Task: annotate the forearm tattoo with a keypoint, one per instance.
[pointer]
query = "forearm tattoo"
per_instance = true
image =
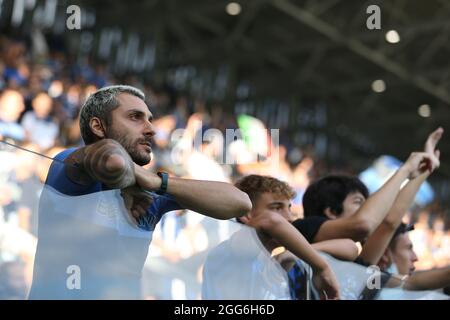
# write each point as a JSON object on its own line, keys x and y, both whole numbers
{"x": 96, "y": 157}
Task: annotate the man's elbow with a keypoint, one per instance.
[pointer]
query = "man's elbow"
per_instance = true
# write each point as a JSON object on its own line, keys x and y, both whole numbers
{"x": 243, "y": 204}
{"x": 362, "y": 230}
{"x": 391, "y": 224}
{"x": 115, "y": 163}
{"x": 352, "y": 250}
{"x": 237, "y": 206}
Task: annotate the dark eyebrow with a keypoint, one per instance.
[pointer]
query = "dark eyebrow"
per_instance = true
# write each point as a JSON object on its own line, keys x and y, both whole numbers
{"x": 276, "y": 203}
{"x": 140, "y": 113}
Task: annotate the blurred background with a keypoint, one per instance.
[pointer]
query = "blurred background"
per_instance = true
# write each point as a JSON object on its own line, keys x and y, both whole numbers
{"x": 341, "y": 97}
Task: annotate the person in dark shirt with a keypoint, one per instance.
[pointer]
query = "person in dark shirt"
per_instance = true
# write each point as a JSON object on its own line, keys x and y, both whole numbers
{"x": 339, "y": 206}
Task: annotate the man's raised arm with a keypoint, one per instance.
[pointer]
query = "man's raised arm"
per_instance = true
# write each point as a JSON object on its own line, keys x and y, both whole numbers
{"x": 369, "y": 216}
{"x": 378, "y": 242}
{"x": 432, "y": 279}
{"x": 218, "y": 200}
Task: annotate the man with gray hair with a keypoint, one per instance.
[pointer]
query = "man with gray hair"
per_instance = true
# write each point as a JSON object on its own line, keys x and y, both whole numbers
{"x": 99, "y": 206}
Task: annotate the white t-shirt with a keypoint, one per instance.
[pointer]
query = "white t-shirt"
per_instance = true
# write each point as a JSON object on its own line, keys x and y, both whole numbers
{"x": 242, "y": 269}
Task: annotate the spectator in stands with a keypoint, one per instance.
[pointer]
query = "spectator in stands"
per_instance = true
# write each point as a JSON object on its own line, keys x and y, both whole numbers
{"x": 12, "y": 281}
{"x": 237, "y": 258}
{"x": 378, "y": 241}
{"x": 109, "y": 242}
{"x": 11, "y": 106}
{"x": 342, "y": 200}
{"x": 399, "y": 259}
{"x": 340, "y": 206}
{"x": 40, "y": 127}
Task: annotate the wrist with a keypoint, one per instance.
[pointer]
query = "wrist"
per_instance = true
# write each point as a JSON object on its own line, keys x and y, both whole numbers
{"x": 402, "y": 280}
{"x": 164, "y": 181}
{"x": 146, "y": 179}
{"x": 320, "y": 266}
{"x": 404, "y": 171}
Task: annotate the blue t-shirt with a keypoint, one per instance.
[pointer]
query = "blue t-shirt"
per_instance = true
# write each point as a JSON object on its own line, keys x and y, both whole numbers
{"x": 12, "y": 130}
{"x": 88, "y": 248}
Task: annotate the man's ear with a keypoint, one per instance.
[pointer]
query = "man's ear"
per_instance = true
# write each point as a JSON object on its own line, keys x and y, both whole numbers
{"x": 385, "y": 260}
{"x": 330, "y": 214}
{"x": 245, "y": 219}
{"x": 97, "y": 127}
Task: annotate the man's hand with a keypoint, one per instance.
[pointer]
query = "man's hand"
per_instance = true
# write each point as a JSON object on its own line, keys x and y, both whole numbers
{"x": 136, "y": 202}
{"x": 420, "y": 162}
{"x": 326, "y": 283}
{"x": 105, "y": 161}
{"x": 432, "y": 141}
{"x": 150, "y": 180}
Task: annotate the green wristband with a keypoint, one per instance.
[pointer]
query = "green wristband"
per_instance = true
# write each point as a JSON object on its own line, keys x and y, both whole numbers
{"x": 164, "y": 182}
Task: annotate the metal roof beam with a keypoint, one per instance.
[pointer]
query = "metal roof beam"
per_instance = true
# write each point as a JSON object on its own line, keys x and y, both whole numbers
{"x": 359, "y": 48}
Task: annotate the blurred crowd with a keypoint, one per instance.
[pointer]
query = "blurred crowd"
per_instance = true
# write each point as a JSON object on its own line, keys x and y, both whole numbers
{"x": 40, "y": 98}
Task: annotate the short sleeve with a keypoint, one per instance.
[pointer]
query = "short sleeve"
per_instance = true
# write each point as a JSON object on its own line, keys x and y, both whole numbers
{"x": 359, "y": 260}
{"x": 161, "y": 205}
{"x": 58, "y": 179}
{"x": 166, "y": 203}
{"x": 309, "y": 226}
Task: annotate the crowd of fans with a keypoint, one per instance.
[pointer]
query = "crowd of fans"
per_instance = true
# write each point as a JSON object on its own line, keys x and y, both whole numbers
{"x": 40, "y": 100}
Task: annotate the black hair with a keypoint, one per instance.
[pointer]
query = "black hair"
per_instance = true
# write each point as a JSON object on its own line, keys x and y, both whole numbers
{"x": 401, "y": 229}
{"x": 330, "y": 192}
